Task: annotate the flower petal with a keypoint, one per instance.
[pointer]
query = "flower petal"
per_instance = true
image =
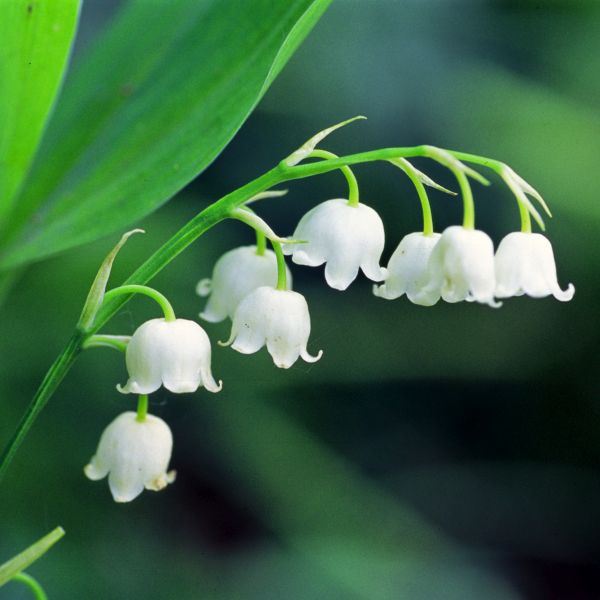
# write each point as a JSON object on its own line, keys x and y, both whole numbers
{"x": 309, "y": 358}
{"x": 123, "y": 488}
{"x": 208, "y": 381}
{"x": 346, "y": 237}
{"x": 95, "y": 470}
{"x": 564, "y": 295}
{"x": 340, "y": 273}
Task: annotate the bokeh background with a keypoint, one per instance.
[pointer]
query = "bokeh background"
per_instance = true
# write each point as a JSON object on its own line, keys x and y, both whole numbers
{"x": 434, "y": 453}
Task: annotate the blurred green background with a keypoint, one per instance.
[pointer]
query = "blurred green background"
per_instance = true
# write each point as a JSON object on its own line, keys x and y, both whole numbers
{"x": 434, "y": 453}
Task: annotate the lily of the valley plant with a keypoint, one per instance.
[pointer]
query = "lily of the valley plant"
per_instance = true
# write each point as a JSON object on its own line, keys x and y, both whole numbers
{"x": 251, "y": 286}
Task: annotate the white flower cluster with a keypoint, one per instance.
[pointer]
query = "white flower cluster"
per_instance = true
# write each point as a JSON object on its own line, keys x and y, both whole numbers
{"x": 460, "y": 265}
{"x": 252, "y": 286}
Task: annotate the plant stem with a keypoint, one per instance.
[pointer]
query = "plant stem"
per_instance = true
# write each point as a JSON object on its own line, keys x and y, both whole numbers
{"x": 147, "y": 291}
{"x": 53, "y": 377}
{"x": 142, "y": 408}
{"x": 32, "y": 584}
{"x": 261, "y": 243}
{"x": 467, "y": 198}
{"x": 423, "y": 197}
{"x": 353, "y": 195}
{"x": 281, "y": 270}
{"x": 525, "y": 217}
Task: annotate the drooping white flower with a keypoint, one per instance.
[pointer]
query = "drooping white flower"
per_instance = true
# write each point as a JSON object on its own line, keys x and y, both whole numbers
{"x": 525, "y": 265}
{"x": 407, "y": 270}
{"x": 277, "y": 318}
{"x": 461, "y": 266}
{"x": 175, "y": 354}
{"x": 135, "y": 455}
{"x": 347, "y": 238}
{"x": 235, "y": 275}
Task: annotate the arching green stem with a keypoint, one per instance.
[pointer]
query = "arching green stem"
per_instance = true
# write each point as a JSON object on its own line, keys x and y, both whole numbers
{"x": 261, "y": 243}
{"x": 353, "y": 195}
{"x": 281, "y": 269}
{"x": 142, "y": 407}
{"x": 32, "y": 584}
{"x": 147, "y": 291}
{"x": 191, "y": 231}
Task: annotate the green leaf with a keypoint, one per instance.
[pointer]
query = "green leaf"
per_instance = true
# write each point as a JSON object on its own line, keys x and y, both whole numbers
{"x": 22, "y": 560}
{"x": 36, "y": 38}
{"x": 152, "y": 105}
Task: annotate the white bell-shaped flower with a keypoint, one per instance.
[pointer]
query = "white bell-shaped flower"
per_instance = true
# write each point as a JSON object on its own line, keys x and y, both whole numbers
{"x": 175, "y": 354}
{"x": 277, "y": 318}
{"x": 135, "y": 455}
{"x": 407, "y": 270}
{"x": 347, "y": 238}
{"x": 461, "y": 266}
{"x": 525, "y": 265}
{"x": 235, "y": 275}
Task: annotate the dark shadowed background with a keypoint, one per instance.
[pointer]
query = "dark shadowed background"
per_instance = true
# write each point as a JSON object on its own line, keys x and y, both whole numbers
{"x": 434, "y": 453}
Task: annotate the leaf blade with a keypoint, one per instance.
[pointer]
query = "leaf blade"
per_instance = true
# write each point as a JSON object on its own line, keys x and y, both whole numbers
{"x": 146, "y": 145}
{"x": 36, "y": 42}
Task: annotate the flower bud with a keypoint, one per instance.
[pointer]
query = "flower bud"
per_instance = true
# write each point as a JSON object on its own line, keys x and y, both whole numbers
{"x": 277, "y": 318}
{"x": 235, "y": 275}
{"x": 525, "y": 265}
{"x": 407, "y": 270}
{"x": 345, "y": 237}
{"x": 175, "y": 354}
{"x": 135, "y": 455}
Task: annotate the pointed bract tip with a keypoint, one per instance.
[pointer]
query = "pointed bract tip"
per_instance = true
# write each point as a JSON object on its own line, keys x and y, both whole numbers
{"x": 476, "y": 175}
{"x": 137, "y": 230}
{"x": 267, "y": 194}
{"x": 301, "y": 153}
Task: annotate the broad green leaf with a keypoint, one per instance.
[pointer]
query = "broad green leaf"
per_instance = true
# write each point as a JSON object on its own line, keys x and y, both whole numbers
{"x": 155, "y": 101}
{"x": 35, "y": 38}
